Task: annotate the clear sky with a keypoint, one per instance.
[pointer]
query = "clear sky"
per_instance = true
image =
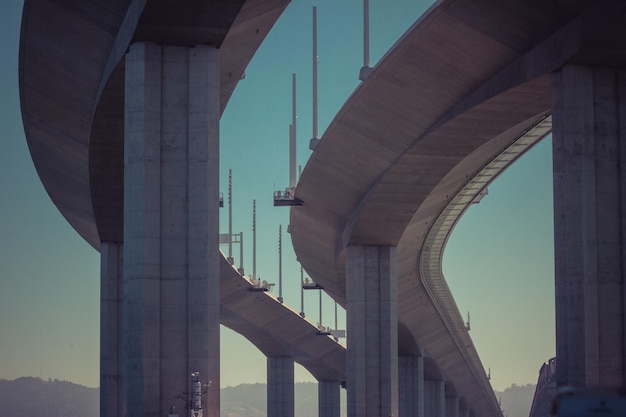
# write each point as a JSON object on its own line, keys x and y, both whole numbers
{"x": 498, "y": 262}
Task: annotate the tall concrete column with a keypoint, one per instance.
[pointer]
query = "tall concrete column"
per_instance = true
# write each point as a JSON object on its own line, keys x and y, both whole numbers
{"x": 111, "y": 297}
{"x": 410, "y": 386}
{"x": 280, "y": 387}
{"x": 452, "y": 406}
{"x": 328, "y": 398}
{"x": 589, "y": 155}
{"x": 434, "y": 398}
{"x": 171, "y": 194}
{"x": 371, "y": 288}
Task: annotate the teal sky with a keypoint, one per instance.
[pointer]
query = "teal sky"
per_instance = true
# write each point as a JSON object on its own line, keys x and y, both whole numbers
{"x": 498, "y": 262}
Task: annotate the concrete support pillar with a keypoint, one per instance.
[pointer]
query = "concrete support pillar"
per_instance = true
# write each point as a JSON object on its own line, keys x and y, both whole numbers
{"x": 464, "y": 411}
{"x": 589, "y": 155}
{"x": 371, "y": 288}
{"x": 434, "y": 398}
{"x": 328, "y": 397}
{"x": 111, "y": 287}
{"x": 171, "y": 194}
{"x": 280, "y": 387}
{"x": 410, "y": 386}
{"x": 452, "y": 406}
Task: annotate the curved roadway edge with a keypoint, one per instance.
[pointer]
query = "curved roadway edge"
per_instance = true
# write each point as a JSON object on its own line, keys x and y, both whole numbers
{"x": 430, "y": 256}
{"x": 71, "y": 70}
{"x": 465, "y": 83}
{"x": 277, "y": 329}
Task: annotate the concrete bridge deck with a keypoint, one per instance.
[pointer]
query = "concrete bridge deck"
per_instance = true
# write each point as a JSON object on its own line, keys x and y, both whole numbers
{"x": 276, "y": 329}
{"x": 71, "y": 73}
{"x": 462, "y": 94}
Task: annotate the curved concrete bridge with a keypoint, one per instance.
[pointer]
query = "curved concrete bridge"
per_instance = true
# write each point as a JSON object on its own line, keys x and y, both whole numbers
{"x": 96, "y": 111}
{"x": 276, "y": 329}
{"x": 72, "y": 61}
{"x": 72, "y": 86}
{"x": 400, "y": 175}
{"x": 462, "y": 94}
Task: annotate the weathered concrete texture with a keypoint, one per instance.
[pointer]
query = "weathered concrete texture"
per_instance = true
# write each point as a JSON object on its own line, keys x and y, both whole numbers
{"x": 452, "y": 406}
{"x": 111, "y": 287}
{"x": 280, "y": 387}
{"x": 171, "y": 269}
{"x": 434, "y": 398}
{"x": 411, "y": 386}
{"x": 371, "y": 288}
{"x": 328, "y": 398}
{"x": 589, "y": 153}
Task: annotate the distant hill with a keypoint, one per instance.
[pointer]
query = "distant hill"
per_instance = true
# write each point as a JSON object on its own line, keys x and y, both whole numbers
{"x": 517, "y": 400}
{"x": 250, "y": 400}
{"x": 243, "y": 400}
{"x": 32, "y": 397}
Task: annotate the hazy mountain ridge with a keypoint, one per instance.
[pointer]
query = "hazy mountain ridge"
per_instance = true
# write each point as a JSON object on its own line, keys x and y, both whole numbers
{"x": 516, "y": 400}
{"x": 250, "y": 400}
{"x": 32, "y": 397}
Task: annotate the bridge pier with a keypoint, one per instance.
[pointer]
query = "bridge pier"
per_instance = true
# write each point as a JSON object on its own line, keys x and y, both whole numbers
{"x": 111, "y": 298}
{"x": 171, "y": 312}
{"x": 371, "y": 288}
{"x": 328, "y": 398}
{"x": 411, "y": 386}
{"x": 463, "y": 410}
{"x": 280, "y": 387}
{"x": 452, "y": 406}
{"x": 434, "y": 398}
{"x": 589, "y": 155}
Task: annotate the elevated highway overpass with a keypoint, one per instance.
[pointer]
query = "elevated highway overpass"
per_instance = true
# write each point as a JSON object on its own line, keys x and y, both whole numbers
{"x": 72, "y": 90}
{"x": 276, "y": 329}
{"x": 462, "y": 94}
{"x": 72, "y": 95}
{"x": 393, "y": 148}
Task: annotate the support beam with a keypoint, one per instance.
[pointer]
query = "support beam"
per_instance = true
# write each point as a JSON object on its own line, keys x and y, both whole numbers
{"x": 410, "y": 386}
{"x": 280, "y": 387}
{"x": 589, "y": 155}
{"x": 328, "y": 398}
{"x": 171, "y": 269}
{"x": 452, "y": 406}
{"x": 371, "y": 288}
{"x": 434, "y": 398}
{"x": 111, "y": 287}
